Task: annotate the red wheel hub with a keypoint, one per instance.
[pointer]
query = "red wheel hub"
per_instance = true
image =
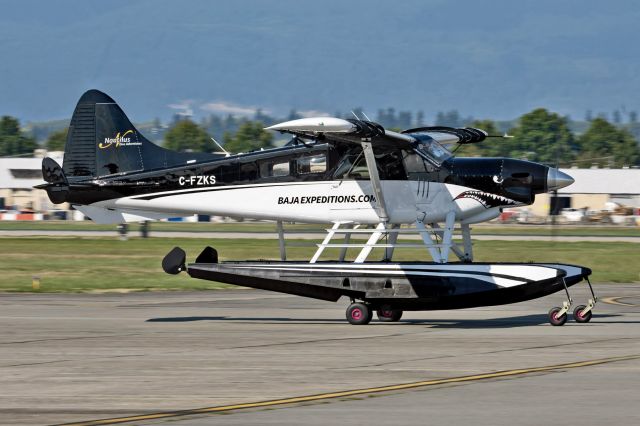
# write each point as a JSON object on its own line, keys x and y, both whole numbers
{"x": 356, "y": 314}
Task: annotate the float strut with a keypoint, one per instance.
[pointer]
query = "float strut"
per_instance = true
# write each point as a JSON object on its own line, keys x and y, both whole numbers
{"x": 566, "y": 305}
{"x": 592, "y": 302}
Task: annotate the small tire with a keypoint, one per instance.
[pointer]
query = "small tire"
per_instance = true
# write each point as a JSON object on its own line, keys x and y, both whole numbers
{"x": 578, "y": 316}
{"x": 555, "y": 319}
{"x": 359, "y": 314}
{"x": 385, "y": 314}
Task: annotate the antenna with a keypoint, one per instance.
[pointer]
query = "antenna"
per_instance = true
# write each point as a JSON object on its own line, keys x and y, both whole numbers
{"x": 365, "y": 116}
{"x": 505, "y": 136}
{"x": 354, "y": 114}
{"x": 220, "y": 146}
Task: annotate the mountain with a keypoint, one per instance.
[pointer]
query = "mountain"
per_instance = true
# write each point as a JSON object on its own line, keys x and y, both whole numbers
{"x": 494, "y": 59}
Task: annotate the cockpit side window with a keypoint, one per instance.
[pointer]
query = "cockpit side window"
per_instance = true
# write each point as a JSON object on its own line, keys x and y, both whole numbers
{"x": 359, "y": 170}
{"x": 418, "y": 168}
{"x": 354, "y": 166}
{"x": 346, "y": 164}
{"x": 390, "y": 166}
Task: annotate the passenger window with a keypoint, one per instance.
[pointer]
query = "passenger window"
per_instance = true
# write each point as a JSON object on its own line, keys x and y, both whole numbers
{"x": 312, "y": 164}
{"x": 273, "y": 169}
{"x": 248, "y": 171}
{"x": 225, "y": 173}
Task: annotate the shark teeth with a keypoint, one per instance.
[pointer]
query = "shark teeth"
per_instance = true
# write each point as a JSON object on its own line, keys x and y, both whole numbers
{"x": 486, "y": 199}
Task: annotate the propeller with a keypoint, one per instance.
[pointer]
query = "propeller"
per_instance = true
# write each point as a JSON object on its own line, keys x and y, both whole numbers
{"x": 554, "y": 216}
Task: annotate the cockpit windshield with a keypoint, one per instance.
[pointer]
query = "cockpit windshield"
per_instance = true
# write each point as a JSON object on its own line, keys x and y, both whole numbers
{"x": 430, "y": 149}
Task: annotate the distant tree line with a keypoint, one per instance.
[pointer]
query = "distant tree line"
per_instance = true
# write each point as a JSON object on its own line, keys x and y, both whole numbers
{"x": 14, "y": 142}
{"x": 545, "y": 137}
{"x": 539, "y": 135}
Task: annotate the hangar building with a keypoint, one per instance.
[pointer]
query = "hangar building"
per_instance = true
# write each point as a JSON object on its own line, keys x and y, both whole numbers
{"x": 592, "y": 189}
{"x": 18, "y": 176}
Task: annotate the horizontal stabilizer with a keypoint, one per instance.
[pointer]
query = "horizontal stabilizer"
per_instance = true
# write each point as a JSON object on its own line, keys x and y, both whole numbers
{"x": 57, "y": 186}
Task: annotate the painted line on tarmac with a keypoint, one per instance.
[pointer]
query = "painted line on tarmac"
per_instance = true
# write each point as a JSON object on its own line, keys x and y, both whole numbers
{"x": 615, "y": 300}
{"x": 349, "y": 393}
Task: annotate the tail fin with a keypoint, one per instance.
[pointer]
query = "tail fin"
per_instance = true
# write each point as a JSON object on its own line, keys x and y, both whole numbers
{"x": 102, "y": 142}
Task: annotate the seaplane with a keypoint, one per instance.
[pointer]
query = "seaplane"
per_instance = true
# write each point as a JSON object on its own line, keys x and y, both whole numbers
{"x": 372, "y": 188}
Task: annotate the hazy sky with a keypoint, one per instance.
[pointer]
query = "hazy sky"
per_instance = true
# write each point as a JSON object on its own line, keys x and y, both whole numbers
{"x": 494, "y": 59}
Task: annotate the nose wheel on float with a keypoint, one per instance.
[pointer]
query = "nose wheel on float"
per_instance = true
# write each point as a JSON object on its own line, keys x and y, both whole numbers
{"x": 581, "y": 314}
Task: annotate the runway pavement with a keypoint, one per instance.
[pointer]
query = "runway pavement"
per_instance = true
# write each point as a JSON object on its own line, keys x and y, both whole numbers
{"x": 82, "y": 357}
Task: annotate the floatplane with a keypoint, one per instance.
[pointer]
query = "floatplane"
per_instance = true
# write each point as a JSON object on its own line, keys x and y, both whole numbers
{"x": 353, "y": 175}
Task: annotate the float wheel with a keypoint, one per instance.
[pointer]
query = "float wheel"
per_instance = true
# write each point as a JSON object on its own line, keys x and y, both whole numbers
{"x": 555, "y": 319}
{"x": 579, "y": 316}
{"x": 359, "y": 314}
{"x": 386, "y": 314}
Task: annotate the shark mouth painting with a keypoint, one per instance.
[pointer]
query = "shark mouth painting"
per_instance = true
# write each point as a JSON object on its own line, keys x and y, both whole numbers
{"x": 487, "y": 200}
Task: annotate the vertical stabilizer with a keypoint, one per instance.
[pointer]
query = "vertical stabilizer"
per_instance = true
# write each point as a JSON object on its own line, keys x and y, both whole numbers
{"x": 103, "y": 142}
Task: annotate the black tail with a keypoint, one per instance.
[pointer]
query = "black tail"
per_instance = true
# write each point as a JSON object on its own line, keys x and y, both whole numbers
{"x": 102, "y": 142}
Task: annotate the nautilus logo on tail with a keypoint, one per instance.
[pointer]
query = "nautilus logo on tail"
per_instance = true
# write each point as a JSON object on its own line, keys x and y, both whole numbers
{"x": 119, "y": 140}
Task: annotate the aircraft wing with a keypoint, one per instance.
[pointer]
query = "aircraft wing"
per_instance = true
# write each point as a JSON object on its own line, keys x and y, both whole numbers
{"x": 338, "y": 130}
{"x": 350, "y": 131}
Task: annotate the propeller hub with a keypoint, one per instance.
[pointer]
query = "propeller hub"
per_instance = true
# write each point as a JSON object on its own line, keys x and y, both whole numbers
{"x": 557, "y": 179}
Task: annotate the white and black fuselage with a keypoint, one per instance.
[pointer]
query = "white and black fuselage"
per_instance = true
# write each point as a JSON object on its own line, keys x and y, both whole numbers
{"x": 112, "y": 172}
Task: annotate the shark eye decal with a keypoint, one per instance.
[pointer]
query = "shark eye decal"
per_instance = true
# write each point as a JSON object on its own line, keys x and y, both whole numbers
{"x": 487, "y": 200}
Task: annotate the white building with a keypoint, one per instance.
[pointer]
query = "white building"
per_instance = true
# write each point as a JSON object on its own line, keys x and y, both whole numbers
{"x": 18, "y": 176}
{"x": 592, "y": 189}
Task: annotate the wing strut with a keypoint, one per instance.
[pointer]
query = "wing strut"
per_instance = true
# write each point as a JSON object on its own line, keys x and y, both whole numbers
{"x": 375, "y": 180}
{"x": 281, "y": 243}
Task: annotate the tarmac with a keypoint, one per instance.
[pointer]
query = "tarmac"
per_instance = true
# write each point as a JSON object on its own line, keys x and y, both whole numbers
{"x": 239, "y": 357}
